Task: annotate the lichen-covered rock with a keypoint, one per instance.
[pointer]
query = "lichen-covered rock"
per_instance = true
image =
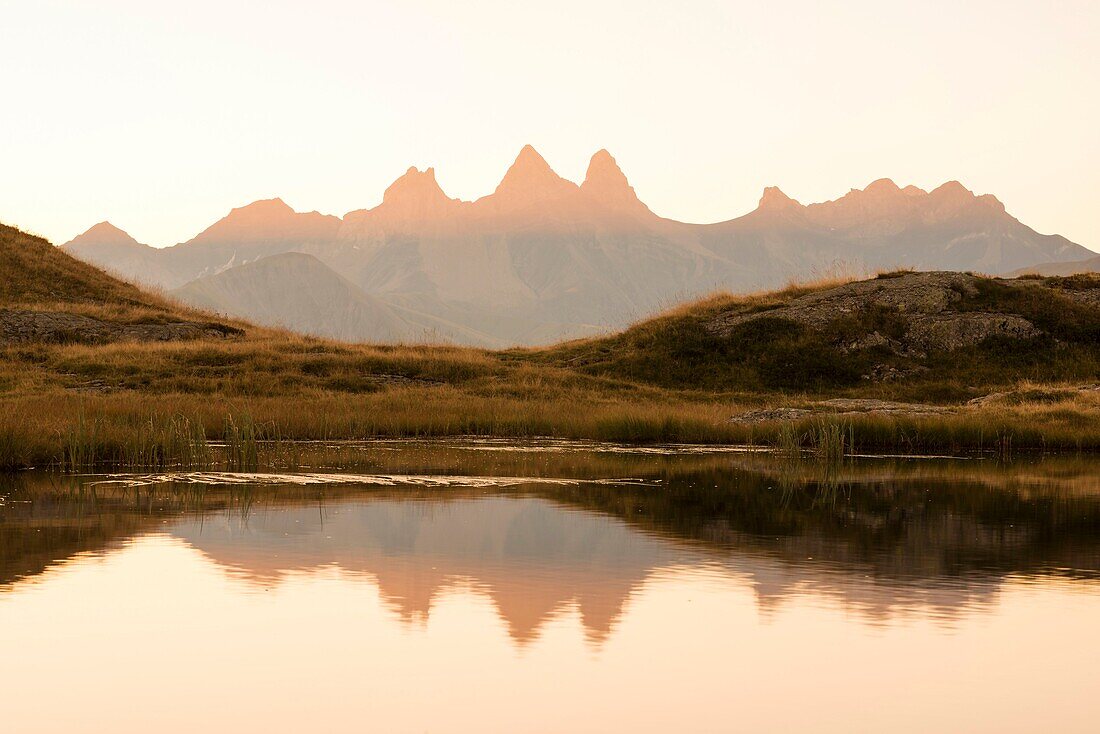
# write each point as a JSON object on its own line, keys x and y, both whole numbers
{"x": 950, "y": 331}
{"x": 909, "y": 293}
{"x": 766, "y": 415}
{"x": 59, "y": 327}
{"x": 921, "y": 304}
{"x": 841, "y": 408}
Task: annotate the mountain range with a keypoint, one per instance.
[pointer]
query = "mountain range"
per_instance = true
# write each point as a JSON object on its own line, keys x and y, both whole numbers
{"x": 543, "y": 259}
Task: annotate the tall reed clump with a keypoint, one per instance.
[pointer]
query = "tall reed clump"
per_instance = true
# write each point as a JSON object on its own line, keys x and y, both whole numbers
{"x": 242, "y": 437}
{"x": 173, "y": 442}
{"x": 788, "y": 441}
{"x": 80, "y": 444}
{"x": 189, "y": 443}
{"x": 14, "y": 448}
{"x": 831, "y": 441}
{"x": 827, "y": 440}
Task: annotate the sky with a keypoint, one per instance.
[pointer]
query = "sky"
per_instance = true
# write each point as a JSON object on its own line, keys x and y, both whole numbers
{"x": 161, "y": 117}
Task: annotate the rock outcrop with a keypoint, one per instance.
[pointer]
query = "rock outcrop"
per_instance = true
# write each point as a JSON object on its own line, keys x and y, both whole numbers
{"x": 919, "y": 304}
{"x": 843, "y": 408}
{"x": 61, "y": 327}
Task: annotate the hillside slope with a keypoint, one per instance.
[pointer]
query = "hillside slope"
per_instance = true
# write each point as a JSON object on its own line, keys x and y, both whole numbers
{"x": 47, "y": 295}
{"x": 34, "y": 272}
{"x": 935, "y": 335}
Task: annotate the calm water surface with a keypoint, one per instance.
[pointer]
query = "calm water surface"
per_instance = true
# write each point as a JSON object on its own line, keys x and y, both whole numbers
{"x": 555, "y": 587}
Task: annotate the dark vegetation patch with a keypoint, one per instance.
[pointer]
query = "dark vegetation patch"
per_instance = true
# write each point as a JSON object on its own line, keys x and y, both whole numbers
{"x": 1054, "y": 313}
{"x": 210, "y": 358}
{"x": 764, "y": 353}
{"x": 354, "y": 383}
{"x": 887, "y": 321}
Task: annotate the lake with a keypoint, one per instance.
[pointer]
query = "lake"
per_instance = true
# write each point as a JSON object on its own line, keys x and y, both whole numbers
{"x": 552, "y": 586}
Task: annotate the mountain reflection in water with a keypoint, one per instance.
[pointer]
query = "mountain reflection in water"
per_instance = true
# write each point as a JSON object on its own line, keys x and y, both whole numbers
{"x": 885, "y": 539}
{"x": 554, "y": 586}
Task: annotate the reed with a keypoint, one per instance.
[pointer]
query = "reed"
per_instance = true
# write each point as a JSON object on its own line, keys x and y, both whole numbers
{"x": 81, "y": 444}
{"x": 78, "y": 432}
{"x": 15, "y": 450}
{"x": 832, "y": 440}
{"x": 788, "y": 441}
{"x": 241, "y": 437}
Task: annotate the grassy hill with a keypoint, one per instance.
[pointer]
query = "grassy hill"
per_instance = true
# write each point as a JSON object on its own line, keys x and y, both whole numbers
{"x": 46, "y": 296}
{"x": 782, "y": 367}
{"x": 925, "y": 336}
{"x": 34, "y": 272}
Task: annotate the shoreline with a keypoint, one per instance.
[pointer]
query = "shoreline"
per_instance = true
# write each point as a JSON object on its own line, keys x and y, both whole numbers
{"x": 131, "y": 429}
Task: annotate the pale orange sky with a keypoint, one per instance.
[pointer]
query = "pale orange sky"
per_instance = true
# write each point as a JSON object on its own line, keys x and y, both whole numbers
{"x": 161, "y": 117}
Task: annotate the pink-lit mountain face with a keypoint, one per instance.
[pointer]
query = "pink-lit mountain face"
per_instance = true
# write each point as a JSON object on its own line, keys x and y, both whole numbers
{"x": 542, "y": 258}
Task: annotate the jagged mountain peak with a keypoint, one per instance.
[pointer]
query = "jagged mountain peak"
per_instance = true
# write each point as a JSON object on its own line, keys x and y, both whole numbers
{"x": 992, "y": 201}
{"x": 416, "y": 185}
{"x": 606, "y": 183}
{"x": 104, "y": 233}
{"x": 528, "y": 154}
{"x": 529, "y": 162}
{"x": 604, "y": 173}
{"x": 412, "y": 199}
{"x": 105, "y": 228}
{"x": 530, "y": 177}
{"x": 603, "y": 165}
{"x": 773, "y": 199}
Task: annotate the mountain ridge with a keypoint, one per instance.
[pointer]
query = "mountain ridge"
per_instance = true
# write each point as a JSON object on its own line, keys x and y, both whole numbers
{"x": 542, "y": 258}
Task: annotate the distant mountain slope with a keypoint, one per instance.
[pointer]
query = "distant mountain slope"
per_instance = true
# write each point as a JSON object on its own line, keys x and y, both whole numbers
{"x": 262, "y": 228}
{"x": 542, "y": 258}
{"x": 108, "y": 247}
{"x": 1089, "y": 265}
{"x": 296, "y": 292}
{"x": 300, "y": 293}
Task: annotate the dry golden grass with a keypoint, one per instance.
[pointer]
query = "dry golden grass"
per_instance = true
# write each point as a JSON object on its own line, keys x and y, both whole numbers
{"x": 42, "y": 429}
{"x": 127, "y": 402}
{"x": 33, "y": 271}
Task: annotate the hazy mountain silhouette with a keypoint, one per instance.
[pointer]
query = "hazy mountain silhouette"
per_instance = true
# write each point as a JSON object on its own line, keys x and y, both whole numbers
{"x": 1089, "y": 265}
{"x": 542, "y": 258}
{"x": 109, "y": 247}
{"x": 298, "y": 292}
